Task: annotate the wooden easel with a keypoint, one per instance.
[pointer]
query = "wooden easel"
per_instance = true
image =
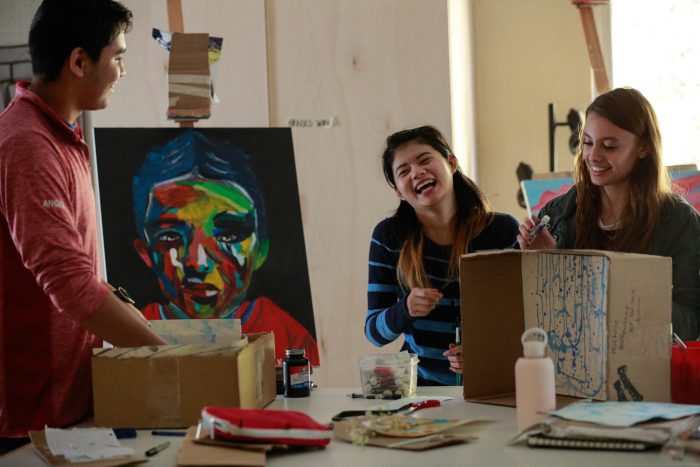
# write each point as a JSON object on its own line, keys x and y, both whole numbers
{"x": 595, "y": 53}
{"x": 176, "y": 23}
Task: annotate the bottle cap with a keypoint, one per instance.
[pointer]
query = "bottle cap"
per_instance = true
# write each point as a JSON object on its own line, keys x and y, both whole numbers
{"x": 534, "y": 348}
{"x": 295, "y": 352}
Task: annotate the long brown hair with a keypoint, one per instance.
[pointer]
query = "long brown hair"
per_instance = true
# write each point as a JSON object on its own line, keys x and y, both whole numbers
{"x": 649, "y": 186}
{"x": 473, "y": 214}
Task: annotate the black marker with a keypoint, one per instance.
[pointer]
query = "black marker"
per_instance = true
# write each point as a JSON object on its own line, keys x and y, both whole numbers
{"x": 375, "y": 396}
{"x": 155, "y": 450}
{"x": 167, "y": 433}
{"x": 458, "y": 342}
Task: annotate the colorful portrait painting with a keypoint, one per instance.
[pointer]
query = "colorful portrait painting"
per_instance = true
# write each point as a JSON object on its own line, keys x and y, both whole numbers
{"x": 206, "y": 223}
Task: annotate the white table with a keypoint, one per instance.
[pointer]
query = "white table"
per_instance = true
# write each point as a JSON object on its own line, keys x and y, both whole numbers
{"x": 490, "y": 449}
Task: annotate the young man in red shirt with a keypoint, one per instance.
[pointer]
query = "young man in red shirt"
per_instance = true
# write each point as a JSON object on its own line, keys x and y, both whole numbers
{"x": 53, "y": 306}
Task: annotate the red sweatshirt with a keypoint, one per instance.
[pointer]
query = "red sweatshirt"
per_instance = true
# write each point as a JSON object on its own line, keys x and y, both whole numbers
{"x": 49, "y": 279}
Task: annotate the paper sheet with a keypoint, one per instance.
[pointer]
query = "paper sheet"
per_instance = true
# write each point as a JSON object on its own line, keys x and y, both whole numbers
{"x": 172, "y": 351}
{"x": 85, "y": 444}
{"x": 198, "y": 331}
{"x": 624, "y": 413}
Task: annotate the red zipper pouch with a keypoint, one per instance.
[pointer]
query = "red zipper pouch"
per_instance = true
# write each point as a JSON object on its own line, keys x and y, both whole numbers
{"x": 268, "y": 426}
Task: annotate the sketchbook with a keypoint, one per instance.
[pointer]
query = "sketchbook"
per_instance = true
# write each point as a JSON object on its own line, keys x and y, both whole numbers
{"x": 542, "y": 441}
{"x": 40, "y": 443}
{"x": 567, "y": 434}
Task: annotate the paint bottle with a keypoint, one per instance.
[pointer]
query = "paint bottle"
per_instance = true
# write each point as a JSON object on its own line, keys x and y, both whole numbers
{"x": 296, "y": 371}
{"x": 534, "y": 381}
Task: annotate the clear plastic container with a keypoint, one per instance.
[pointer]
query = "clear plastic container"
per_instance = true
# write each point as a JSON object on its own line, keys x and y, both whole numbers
{"x": 389, "y": 374}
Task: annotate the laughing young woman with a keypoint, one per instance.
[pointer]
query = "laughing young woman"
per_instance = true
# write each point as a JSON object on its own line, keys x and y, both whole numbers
{"x": 622, "y": 200}
{"x": 414, "y": 255}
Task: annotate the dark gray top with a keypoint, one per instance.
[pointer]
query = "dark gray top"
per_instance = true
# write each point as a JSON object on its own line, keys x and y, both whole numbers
{"x": 677, "y": 236}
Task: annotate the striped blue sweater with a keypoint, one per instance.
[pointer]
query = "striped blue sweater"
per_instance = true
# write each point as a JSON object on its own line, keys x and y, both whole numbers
{"x": 387, "y": 314}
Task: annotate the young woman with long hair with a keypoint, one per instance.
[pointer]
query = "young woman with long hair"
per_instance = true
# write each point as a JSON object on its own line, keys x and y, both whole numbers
{"x": 413, "y": 286}
{"x": 622, "y": 200}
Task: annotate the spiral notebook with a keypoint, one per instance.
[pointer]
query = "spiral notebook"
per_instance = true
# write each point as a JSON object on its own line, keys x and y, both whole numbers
{"x": 572, "y": 434}
{"x": 542, "y": 441}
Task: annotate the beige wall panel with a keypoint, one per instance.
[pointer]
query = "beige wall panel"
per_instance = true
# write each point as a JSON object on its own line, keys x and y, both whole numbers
{"x": 378, "y": 66}
{"x": 15, "y": 18}
{"x": 527, "y": 54}
{"x": 141, "y": 98}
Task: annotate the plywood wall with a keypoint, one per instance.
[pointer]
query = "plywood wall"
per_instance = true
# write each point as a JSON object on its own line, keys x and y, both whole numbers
{"x": 370, "y": 66}
{"x": 141, "y": 98}
{"x": 376, "y": 67}
{"x": 15, "y": 18}
{"x": 527, "y": 54}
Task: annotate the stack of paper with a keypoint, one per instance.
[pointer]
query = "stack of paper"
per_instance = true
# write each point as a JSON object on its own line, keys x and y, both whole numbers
{"x": 198, "y": 331}
{"x": 613, "y": 425}
{"x": 83, "y": 446}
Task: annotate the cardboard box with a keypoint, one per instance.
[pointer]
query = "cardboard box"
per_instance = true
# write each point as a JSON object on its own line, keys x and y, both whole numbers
{"x": 607, "y": 315}
{"x": 189, "y": 80}
{"x": 169, "y": 392}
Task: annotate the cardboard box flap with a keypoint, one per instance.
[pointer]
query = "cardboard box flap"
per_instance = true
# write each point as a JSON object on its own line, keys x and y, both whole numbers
{"x": 609, "y": 254}
{"x": 567, "y": 296}
{"x": 607, "y": 315}
{"x": 617, "y": 255}
{"x": 259, "y": 386}
{"x": 491, "y": 285}
{"x": 639, "y": 334}
{"x": 494, "y": 253}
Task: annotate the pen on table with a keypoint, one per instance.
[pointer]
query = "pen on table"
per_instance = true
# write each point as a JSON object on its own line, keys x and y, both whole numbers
{"x": 544, "y": 223}
{"x": 355, "y": 395}
{"x": 167, "y": 433}
{"x": 124, "y": 433}
{"x": 156, "y": 449}
{"x": 458, "y": 341}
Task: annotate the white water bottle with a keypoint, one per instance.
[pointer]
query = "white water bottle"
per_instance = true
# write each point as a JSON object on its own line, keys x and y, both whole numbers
{"x": 534, "y": 381}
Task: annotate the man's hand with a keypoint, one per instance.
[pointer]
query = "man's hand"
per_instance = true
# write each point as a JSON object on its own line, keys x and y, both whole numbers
{"x": 121, "y": 324}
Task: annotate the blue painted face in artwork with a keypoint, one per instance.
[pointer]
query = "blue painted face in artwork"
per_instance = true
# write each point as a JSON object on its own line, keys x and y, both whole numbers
{"x": 203, "y": 245}
{"x": 201, "y": 223}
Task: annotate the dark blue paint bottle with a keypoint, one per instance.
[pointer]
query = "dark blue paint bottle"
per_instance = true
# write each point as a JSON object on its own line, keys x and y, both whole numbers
{"x": 297, "y": 374}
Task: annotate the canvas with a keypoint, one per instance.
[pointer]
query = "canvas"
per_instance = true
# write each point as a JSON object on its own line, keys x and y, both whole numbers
{"x": 206, "y": 223}
{"x": 687, "y": 184}
{"x": 540, "y": 191}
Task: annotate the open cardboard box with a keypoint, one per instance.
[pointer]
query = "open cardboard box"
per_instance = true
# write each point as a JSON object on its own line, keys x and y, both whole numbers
{"x": 170, "y": 392}
{"x": 607, "y": 315}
